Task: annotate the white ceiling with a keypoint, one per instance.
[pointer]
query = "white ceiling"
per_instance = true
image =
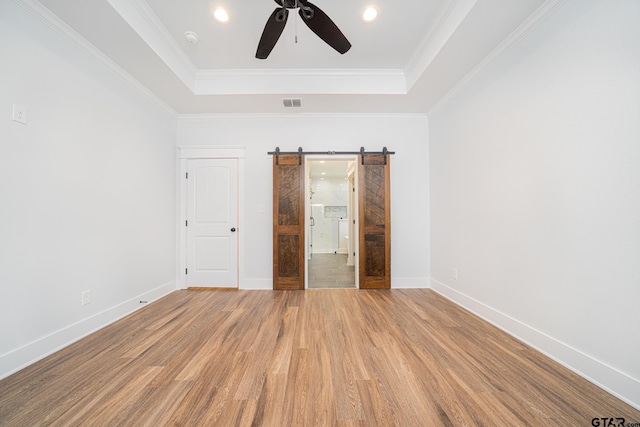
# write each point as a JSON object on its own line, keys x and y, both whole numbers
{"x": 404, "y": 62}
{"x": 233, "y": 45}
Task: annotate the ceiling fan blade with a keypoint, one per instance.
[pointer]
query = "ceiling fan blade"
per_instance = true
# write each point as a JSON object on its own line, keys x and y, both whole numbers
{"x": 324, "y": 27}
{"x": 272, "y": 30}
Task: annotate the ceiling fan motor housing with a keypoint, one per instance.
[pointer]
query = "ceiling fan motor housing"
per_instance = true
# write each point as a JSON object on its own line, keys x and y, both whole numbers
{"x": 312, "y": 16}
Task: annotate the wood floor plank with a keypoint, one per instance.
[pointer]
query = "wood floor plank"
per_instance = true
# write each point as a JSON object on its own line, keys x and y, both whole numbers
{"x": 281, "y": 355}
{"x": 374, "y": 405}
{"x": 271, "y": 405}
{"x": 334, "y": 357}
{"x": 161, "y": 404}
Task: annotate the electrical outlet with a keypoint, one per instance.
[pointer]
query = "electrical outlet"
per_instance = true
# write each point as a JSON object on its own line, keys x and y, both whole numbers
{"x": 454, "y": 274}
{"x": 19, "y": 114}
{"x": 86, "y": 297}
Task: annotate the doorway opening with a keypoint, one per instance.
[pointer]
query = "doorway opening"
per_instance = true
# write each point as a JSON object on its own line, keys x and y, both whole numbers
{"x": 331, "y": 230}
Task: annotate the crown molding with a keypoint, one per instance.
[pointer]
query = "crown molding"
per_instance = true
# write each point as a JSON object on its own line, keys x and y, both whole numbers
{"x": 54, "y": 23}
{"x": 244, "y": 116}
{"x": 433, "y": 42}
{"x": 295, "y": 82}
{"x": 141, "y": 18}
{"x": 139, "y": 15}
{"x": 544, "y": 12}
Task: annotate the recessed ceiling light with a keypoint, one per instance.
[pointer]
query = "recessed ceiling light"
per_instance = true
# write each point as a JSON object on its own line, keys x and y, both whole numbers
{"x": 370, "y": 13}
{"x": 323, "y": 173}
{"x": 221, "y": 15}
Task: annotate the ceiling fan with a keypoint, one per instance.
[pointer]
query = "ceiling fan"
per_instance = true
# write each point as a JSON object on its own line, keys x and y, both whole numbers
{"x": 311, "y": 15}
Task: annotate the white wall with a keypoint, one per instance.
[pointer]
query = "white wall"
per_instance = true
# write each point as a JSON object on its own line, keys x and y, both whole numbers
{"x": 407, "y": 135}
{"x": 87, "y": 193}
{"x": 535, "y": 192}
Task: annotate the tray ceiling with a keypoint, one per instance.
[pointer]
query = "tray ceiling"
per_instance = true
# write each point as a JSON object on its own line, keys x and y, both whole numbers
{"x": 405, "y": 61}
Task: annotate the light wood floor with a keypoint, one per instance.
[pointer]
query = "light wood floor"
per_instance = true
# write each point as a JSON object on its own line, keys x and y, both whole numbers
{"x": 302, "y": 358}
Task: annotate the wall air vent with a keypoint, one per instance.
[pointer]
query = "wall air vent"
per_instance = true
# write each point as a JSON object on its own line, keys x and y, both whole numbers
{"x": 292, "y": 102}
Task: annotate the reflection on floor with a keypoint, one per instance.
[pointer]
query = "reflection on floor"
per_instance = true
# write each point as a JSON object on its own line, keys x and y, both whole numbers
{"x": 331, "y": 271}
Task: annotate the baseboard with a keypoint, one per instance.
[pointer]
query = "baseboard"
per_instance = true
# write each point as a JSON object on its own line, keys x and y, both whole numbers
{"x": 396, "y": 283}
{"x": 28, "y": 354}
{"x": 256, "y": 284}
{"x": 409, "y": 282}
{"x": 599, "y": 373}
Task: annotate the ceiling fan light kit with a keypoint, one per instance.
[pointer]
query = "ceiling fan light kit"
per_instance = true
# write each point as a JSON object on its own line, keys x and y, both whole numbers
{"x": 312, "y": 16}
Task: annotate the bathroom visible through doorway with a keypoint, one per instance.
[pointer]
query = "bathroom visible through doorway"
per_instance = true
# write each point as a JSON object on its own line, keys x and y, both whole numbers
{"x": 331, "y": 231}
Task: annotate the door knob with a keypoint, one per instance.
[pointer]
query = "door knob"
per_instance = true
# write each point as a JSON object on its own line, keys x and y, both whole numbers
{"x": 233, "y": 230}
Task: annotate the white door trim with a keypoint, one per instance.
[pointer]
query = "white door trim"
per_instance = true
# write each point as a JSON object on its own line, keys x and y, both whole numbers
{"x": 191, "y": 152}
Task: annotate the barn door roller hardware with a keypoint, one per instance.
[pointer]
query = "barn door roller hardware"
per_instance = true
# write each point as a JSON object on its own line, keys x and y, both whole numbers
{"x": 300, "y": 153}
{"x": 278, "y": 152}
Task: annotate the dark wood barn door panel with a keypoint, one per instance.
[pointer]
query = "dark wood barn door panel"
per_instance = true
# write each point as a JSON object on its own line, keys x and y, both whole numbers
{"x": 288, "y": 222}
{"x": 375, "y": 222}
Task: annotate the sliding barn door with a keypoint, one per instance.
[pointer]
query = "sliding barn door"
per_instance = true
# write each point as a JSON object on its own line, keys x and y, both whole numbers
{"x": 375, "y": 222}
{"x": 288, "y": 222}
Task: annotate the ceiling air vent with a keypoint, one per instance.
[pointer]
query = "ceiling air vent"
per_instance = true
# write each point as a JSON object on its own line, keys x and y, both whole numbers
{"x": 292, "y": 102}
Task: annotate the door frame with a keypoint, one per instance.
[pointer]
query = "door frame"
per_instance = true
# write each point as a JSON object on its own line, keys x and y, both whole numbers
{"x": 307, "y": 210}
{"x": 193, "y": 152}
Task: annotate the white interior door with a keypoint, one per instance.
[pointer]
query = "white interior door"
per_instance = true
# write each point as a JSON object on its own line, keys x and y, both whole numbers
{"x": 212, "y": 221}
